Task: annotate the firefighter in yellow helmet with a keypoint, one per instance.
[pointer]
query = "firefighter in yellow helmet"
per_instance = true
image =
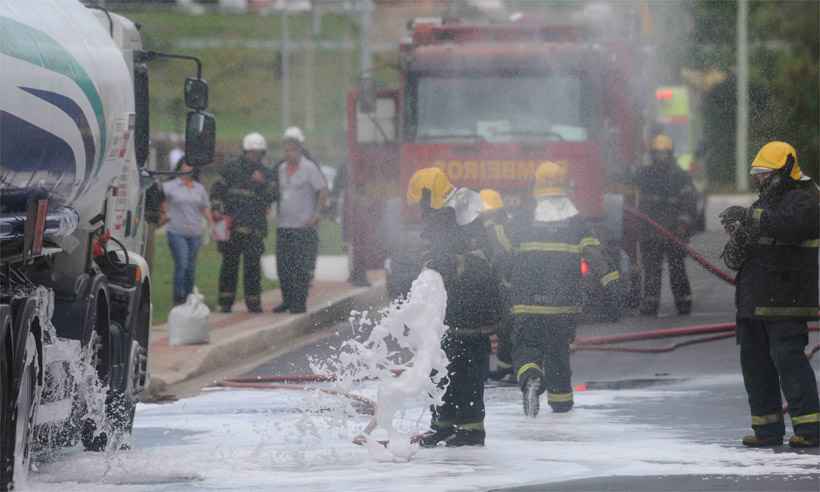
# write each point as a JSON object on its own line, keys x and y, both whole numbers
{"x": 473, "y": 304}
{"x": 541, "y": 256}
{"x": 774, "y": 246}
{"x": 667, "y": 195}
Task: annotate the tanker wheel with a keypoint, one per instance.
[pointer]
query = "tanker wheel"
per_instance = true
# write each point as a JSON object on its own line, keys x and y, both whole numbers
{"x": 6, "y": 420}
{"x": 112, "y": 352}
{"x": 25, "y": 409}
{"x": 99, "y": 343}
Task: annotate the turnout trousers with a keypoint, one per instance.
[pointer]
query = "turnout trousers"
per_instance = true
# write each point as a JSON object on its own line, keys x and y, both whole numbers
{"x": 542, "y": 342}
{"x": 652, "y": 254}
{"x": 295, "y": 258}
{"x": 772, "y": 358}
{"x": 463, "y": 401}
{"x": 247, "y": 245}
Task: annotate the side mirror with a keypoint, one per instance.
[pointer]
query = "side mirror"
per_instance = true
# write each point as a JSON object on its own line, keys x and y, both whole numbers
{"x": 200, "y": 138}
{"x": 367, "y": 95}
{"x": 196, "y": 94}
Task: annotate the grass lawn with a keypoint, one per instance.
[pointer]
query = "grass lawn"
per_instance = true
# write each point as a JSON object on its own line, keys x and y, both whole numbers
{"x": 208, "y": 263}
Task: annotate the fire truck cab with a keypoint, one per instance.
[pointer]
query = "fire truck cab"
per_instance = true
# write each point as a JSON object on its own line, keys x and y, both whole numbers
{"x": 488, "y": 104}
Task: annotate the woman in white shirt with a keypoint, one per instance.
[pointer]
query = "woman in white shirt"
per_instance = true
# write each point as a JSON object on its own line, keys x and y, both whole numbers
{"x": 186, "y": 203}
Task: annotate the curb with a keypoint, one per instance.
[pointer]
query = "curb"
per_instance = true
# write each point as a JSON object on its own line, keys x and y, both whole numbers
{"x": 244, "y": 345}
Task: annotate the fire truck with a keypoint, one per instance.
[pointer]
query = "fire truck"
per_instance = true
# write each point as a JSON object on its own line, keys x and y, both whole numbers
{"x": 488, "y": 103}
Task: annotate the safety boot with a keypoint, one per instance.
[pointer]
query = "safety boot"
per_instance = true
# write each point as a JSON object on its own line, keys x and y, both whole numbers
{"x": 561, "y": 406}
{"x": 463, "y": 437}
{"x": 762, "y": 441}
{"x": 800, "y": 441}
{"x": 531, "y": 396}
{"x": 431, "y": 438}
{"x": 684, "y": 308}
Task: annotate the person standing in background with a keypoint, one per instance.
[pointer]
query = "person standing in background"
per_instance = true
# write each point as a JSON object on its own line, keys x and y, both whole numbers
{"x": 184, "y": 206}
{"x": 303, "y": 194}
{"x": 667, "y": 195}
{"x": 242, "y": 196}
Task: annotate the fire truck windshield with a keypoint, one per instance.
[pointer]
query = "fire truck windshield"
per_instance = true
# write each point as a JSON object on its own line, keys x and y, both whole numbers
{"x": 498, "y": 108}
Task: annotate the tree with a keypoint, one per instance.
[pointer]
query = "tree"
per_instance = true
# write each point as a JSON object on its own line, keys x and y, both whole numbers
{"x": 784, "y": 68}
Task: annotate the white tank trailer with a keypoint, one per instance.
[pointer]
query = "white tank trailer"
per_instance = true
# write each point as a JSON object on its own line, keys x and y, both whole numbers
{"x": 75, "y": 195}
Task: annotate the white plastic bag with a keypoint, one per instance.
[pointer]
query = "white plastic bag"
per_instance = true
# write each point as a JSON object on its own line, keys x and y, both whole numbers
{"x": 188, "y": 323}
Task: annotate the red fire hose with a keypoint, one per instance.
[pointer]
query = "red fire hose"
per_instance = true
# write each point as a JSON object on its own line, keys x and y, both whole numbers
{"x": 726, "y": 277}
{"x": 722, "y": 331}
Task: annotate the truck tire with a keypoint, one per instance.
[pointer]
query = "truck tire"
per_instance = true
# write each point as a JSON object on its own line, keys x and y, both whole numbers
{"x": 101, "y": 359}
{"x": 6, "y": 420}
{"x": 25, "y": 409}
{"x": 113, "y": 351}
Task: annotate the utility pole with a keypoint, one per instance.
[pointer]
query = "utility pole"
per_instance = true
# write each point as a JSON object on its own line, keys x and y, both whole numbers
{"x": 365, "y": 19}
{"x": 742, "y": 127}
{"x": 310, "y": 119}
{"x": 285, "y": 87}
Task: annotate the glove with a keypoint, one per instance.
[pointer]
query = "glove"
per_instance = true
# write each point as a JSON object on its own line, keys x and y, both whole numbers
{"x": 733, "y": 217}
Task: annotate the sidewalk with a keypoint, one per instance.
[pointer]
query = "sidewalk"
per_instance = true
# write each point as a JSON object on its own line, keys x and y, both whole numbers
{"x": 239, "y": 335}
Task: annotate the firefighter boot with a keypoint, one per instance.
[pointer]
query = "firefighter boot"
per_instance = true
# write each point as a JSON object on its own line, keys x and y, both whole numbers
{"x": 649, "y": 308}
{"x": 466, "y": 437}
{"x": 684, "y": 308}
{"x": 762, "y": 440}
{"x": 431, "y": 438}
{"x": 531, "y": 389}
{"x": 800, "y": 441}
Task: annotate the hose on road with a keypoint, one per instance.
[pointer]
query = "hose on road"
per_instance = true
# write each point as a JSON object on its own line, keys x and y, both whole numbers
{"x": 719, "y": 331}
{"x": 364, "y": 405}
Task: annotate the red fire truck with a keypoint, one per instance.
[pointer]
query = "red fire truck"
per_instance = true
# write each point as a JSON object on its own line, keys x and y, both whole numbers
{"x": 488, "y": 103}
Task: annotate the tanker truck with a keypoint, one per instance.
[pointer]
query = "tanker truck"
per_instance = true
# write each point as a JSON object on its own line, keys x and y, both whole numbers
{"x": 75, "y": 194}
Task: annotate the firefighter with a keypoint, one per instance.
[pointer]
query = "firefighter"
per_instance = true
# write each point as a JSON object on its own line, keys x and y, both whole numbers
{"x": 667, "y": 195}
{"x": 541, "y": 256}
{"x": 473, "y": 304}
{"x": 243, "y": 194}
{"x": 774, "y": 246}
{"x": 493, "y": 212}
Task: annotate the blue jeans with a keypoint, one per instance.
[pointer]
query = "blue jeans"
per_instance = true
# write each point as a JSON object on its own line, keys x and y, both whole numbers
{"x": 184, "y": 250}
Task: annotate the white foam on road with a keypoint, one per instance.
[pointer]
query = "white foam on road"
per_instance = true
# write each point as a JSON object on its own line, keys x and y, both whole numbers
{"x": 403, "y": 353}
{"x": 258, "y": 440}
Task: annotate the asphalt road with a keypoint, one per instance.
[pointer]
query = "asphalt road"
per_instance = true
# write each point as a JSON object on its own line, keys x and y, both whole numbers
{"x": 711, "y": 407}
{"x": 647, "y": 422}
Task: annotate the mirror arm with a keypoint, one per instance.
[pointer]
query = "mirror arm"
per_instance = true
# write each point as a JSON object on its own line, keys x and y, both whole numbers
{"x": 148, "y": 56}
{"x": 152, "y": 173}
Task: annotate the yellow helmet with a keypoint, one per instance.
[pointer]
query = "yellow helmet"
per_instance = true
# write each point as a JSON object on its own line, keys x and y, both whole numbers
{"x": 662, "y": 143}
{"x": 490, "y": 200}
{"x": 775, "y": 155}
{"x": 550, "y": 180}
{"x": 431, "y": 178}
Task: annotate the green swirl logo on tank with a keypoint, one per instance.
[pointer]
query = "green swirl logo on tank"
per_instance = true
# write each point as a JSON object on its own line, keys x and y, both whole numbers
{"x": 38, "y": 48}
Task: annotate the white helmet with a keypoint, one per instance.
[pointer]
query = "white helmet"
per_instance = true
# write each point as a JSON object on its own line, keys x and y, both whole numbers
{"x": 174, "y": 156}
{"x": 294, "y": 133}
{"x": 254, "y": 141}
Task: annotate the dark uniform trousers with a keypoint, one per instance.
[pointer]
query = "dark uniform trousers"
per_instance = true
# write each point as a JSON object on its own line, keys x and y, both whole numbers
{"x": 772, "y": 358}
{"x": 545, "y": 339}
{"x": 295, "y": 257}
{"x": 652, "y": 255}
{"x": 463, "y": 401}
{"x": 249, "y": 245}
